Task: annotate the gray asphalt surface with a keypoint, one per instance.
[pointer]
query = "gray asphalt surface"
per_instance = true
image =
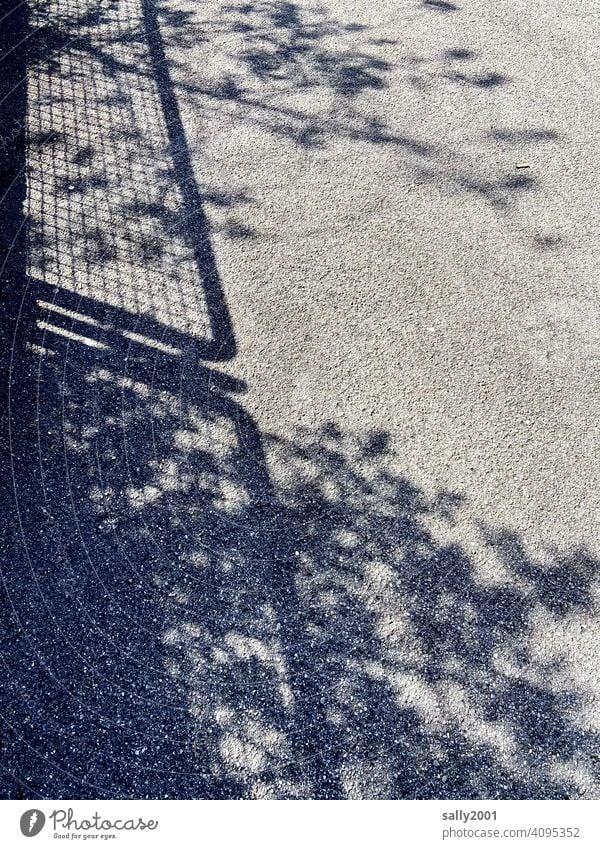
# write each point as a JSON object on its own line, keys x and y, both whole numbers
{"x": 300, "y": 335}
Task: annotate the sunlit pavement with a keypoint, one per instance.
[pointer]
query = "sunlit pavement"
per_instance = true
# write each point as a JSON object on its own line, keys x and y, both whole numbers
{"x": 300, "y": 340}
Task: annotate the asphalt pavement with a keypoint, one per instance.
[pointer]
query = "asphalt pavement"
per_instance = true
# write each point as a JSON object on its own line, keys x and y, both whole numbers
{"x": 300, "y": 350}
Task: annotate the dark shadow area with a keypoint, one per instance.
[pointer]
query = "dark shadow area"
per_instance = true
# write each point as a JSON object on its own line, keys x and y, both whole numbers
{"x": 13, "y": 112}
{"x": 523, "y": 136}
{"x": 490, "y": 80}
{"x": 193, "y": 608}
{"x": 441, "y": 5}
{"x": 183, "y": 621}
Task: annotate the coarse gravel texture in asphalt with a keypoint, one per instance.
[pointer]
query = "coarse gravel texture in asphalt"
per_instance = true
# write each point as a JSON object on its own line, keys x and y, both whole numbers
{"x": 300, "y": 338}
